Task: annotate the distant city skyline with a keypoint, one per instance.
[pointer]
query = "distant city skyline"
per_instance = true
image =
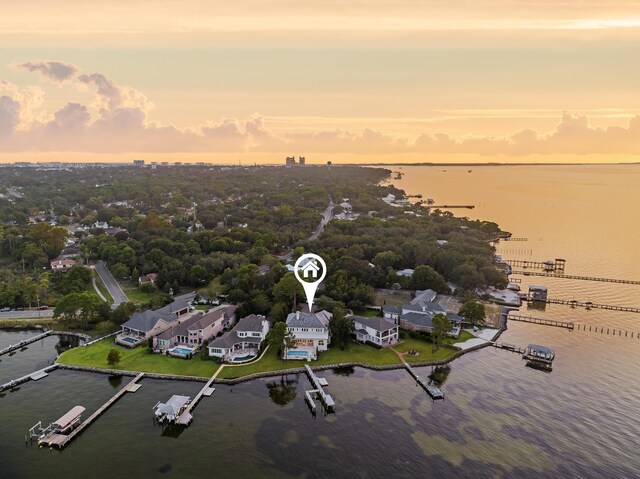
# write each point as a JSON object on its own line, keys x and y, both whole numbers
{"x": 355, "y": 82}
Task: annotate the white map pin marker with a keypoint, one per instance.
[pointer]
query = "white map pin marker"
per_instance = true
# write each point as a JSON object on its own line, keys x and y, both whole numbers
{"x": 310, "y": 264}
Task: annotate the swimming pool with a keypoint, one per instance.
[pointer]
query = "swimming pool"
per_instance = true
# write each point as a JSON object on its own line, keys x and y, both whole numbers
{"x": 300, "y": 354}
{"x": 180, "y": 350}
{"x": 129, "y": 340}
{"x": 243, "y": 358}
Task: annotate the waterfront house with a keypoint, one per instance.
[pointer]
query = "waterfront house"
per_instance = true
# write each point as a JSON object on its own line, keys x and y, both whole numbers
{"x": 379, "y": 331}
{"x": 311, "y": 333}
{"x": 147, "y": 324}
{"x": 190, "y": 333}
{"x": 407, "y": 273}
{"x": 62, "y": 264}
{"x": 242, "y": 343}
{"x": 392, "y": 312}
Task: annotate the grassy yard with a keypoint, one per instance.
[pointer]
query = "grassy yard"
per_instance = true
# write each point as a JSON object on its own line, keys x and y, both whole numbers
{"x": 393, "y": 298}
{"x": 137, "y": 296}
{"x": 137, "y": 359}
{"x": 425, "y": 350}
{"x": 354, "y": 353}
{"x": 368, "y": 313}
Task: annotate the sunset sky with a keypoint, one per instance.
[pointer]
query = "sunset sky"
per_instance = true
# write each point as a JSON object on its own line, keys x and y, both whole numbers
{"x": 347, "y": 81}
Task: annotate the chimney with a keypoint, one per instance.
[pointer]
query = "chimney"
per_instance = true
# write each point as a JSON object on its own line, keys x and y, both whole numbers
{"x": 297, "y": 314}
{"x": 424, "y": 308}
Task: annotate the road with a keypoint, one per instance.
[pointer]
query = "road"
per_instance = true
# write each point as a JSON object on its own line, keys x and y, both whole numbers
{"x": 326, "y": 217}
{"x": 47, "y": 313}
{"x": 111, "y": 284}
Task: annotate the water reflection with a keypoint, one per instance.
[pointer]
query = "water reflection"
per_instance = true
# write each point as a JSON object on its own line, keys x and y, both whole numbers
{"x": 439, "y": 374}
{"x": 284, "y": 391}
{"x": 115, "y": 381}
{"x": 67, "y": 342}
{"x": 344, "y": 370}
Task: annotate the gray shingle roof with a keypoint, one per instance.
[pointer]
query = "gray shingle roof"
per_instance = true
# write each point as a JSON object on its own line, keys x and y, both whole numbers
{"x": 147, "y": 320}
{"x": 307, "y": 320}
{"x": 392, "y": 309}
{"x": 423, "y": 307}
{"x": 379, "y": 324}
{"x": 251, "y": 323}
{"x": 424, "y": 320}
{"x": 426, "y": 295}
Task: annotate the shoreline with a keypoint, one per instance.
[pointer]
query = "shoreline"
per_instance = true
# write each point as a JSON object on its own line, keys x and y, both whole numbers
{"x": 279, "y": 372}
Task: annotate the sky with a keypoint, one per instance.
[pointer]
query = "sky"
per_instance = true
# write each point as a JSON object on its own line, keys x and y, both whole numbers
{"x": 344, "y": 81}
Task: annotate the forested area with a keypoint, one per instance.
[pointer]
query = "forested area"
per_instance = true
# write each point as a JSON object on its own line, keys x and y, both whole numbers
{"x": 212, "y": 229}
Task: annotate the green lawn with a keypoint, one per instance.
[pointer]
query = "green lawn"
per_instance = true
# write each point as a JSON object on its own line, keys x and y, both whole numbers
{"x": 368, "y": 313}
{"x": 354, "y": 353}
{"x": 137, "y": 359}
{"x": 137, "y": 296}
{"x": 425, "y": 350}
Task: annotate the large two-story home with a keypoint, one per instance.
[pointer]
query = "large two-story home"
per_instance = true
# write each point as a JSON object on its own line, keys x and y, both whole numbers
{"x": 189, "y": 334}
{"x": 149, "y": 323}
{"x": 380, "y": 331}
{"x": 311, "y": 333}
{"x": 242, "y": 343}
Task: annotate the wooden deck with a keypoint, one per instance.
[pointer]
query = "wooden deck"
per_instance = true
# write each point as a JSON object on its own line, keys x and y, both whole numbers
{"x": 62, "y": 440}
{"x": 433, "y": 390}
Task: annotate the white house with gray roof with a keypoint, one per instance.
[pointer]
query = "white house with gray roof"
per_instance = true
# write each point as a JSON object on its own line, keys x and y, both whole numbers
{"x": 311, "y": 333}
{"x": 242, "y": 343}
{"x": 379, "y": 331}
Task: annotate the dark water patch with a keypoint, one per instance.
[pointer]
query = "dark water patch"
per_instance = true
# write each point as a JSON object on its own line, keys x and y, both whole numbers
{"x": 345, "y": 371}
{"x": 284, "y": 391}
{"x": 165, "y": 468}
{"x": 115, "y": 381}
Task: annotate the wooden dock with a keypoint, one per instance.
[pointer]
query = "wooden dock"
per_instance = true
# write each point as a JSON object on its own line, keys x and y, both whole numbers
{"x": 514, "y": 239}
{"x": 34, "y": 376}
{"x": 509, "y": 347}
{"x": 433, "y": 390}
{"x": 449, "y": 207}
{"x": 61, "y": 440}
{"x": 318, "y": 384}
{"x": 557, "y": 264}
{"x": 38, "y": 337}
{"x": 542, "y": 321}
{"x": 589, "y": 305}
{"x": 549, "y": 274}
{"x": 186, "y": 417}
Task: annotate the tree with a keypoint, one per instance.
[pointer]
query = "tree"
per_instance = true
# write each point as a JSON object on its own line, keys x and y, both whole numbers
{"x": 279, "y": 338}
{"x": 473, "y": 312}
{"x": 441, "y": 327}
{"x": 288, "y": 289}
{"x": 113, "y": 357}
{"x": 342, "y": 327}
{"x": 425, "y": 277}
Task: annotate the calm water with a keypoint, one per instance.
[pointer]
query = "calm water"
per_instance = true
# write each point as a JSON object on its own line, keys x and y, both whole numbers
{"x": 499, "y": 419}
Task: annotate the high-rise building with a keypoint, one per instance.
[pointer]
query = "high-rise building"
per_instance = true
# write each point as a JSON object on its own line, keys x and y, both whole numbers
{"x": 301, "y": 160}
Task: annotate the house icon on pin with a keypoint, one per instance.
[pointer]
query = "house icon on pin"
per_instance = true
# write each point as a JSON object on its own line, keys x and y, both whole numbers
{"x": 310, "y": 270}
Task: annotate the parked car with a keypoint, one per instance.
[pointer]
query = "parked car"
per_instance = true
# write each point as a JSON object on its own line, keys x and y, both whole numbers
{"x": 41, "y": 308}
{"x": 6, "y": 309}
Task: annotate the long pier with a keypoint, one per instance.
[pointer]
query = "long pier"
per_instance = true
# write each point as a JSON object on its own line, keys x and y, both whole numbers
{"x": 573, "y": 276}
{"x": 509, "y": 347}
{"x": 38, "y": 337}
{"x": 433, "y": 390}
{"x": 556, "y": 265}
{"x": 61, "y": 440}
{"x": 542, "y": 321}
{"x": 588, "y": 305}
{"x": 448, "y": 207}
{"x": 34, "y": 376}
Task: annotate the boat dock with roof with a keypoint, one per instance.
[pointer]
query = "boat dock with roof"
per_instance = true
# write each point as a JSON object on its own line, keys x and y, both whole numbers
{"x": 66, "y": 429}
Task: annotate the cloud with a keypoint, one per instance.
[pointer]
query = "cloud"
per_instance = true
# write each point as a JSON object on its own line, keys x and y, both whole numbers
{"x": 56, "y": 72}
{"x": 119, "y": 121}
{"x": 9, "y": 115}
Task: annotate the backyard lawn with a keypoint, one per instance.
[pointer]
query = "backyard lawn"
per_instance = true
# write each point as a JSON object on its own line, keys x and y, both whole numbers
{"x": 137, "y": 359}
{"x": 363, "y": 353}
